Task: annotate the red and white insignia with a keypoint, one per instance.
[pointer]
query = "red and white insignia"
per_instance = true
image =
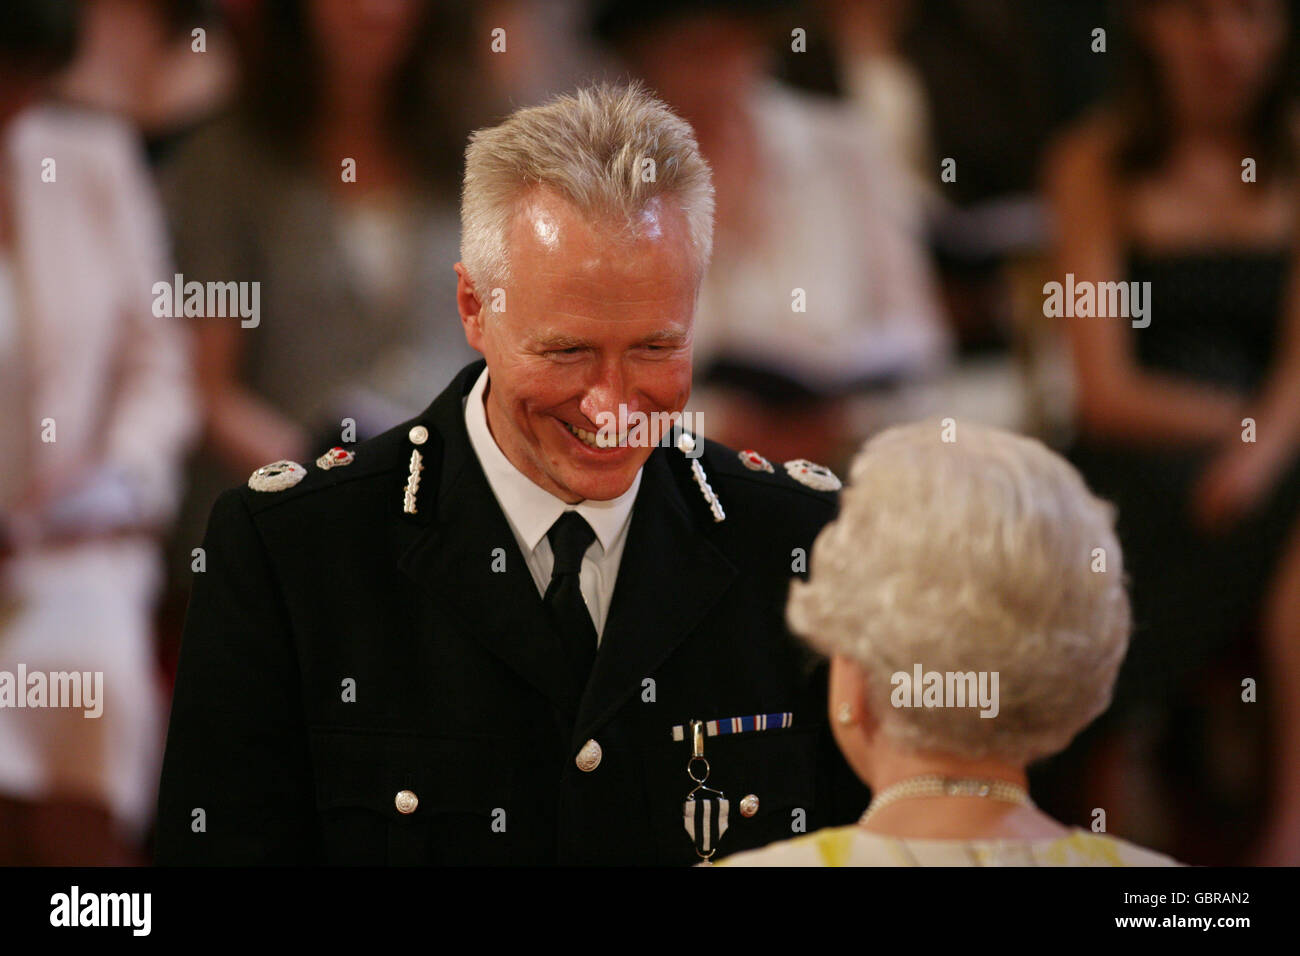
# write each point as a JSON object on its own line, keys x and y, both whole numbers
{"x": 754, "y": 461}
{"x": 336, "y": 457}
{"x": 815, "y": 476}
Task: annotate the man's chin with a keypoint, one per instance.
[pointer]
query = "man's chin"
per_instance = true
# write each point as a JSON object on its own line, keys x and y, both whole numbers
{"x": 597, "y": 476}
{"x": 599, "y": 484}
{"x": 602, "y": 488}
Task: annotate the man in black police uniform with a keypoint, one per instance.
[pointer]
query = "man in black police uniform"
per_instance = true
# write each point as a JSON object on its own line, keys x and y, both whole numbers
{"x": 500, "y": 632}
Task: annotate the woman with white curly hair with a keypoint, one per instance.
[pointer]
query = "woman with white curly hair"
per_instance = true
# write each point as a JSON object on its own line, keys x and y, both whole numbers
{"x": 971, "y": 597}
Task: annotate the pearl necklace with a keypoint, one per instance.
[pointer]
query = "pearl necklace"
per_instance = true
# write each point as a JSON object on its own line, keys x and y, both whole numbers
{"x": 937, "y": 785}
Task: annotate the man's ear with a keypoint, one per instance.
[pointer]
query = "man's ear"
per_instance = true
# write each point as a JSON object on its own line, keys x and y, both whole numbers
{"x": 470, "y": 307}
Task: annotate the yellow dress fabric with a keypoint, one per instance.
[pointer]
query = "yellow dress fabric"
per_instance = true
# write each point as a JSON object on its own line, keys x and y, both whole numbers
{"x": 854, "y": 846}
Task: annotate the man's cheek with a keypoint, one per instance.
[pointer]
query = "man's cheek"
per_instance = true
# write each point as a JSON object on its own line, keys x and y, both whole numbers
{"x": 668, "y": 388}
{"x": 681, "y": 390}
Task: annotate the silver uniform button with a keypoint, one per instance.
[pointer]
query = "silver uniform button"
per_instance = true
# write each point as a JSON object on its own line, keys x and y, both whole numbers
{"x": 748, "y": 805}
{"x": 418, "y": 435}
{"x": 588, "y": 758}
{"x": 406, "y": 801}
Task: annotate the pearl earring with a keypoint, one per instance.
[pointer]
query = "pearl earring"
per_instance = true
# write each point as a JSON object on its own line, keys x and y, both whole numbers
{"x": 844, "y": 714}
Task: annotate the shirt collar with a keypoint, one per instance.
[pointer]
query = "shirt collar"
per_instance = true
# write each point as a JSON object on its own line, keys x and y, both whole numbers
{"x": 530, "y": 509}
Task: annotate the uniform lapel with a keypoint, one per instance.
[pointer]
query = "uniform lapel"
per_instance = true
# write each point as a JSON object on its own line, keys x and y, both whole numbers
{"x": 453, "y": 536}
{"x": 669, "y": 578}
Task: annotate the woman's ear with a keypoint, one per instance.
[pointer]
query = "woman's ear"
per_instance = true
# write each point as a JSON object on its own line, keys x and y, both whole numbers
{"x": 847, "y": 693}
{"x": 852, "y": 723}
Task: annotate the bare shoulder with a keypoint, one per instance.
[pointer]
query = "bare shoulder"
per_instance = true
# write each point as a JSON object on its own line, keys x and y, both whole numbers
{"x": 1084, "y": 152}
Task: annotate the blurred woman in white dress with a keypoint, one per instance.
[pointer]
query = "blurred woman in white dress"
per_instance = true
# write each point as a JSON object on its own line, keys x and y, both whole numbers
{"x": 971, "y": 596}
{"x": 96, "y": 406}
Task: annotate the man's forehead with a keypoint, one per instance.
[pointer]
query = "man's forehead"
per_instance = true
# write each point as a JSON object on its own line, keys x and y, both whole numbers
{"x": 634, "y": 307}
{"x": 548, "y": 218}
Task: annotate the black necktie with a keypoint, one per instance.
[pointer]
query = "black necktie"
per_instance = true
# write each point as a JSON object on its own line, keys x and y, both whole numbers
{"x": 570, "y": 537}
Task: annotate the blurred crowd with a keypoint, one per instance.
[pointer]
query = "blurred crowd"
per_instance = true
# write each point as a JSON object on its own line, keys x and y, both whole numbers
{"x": 896, "y": 181}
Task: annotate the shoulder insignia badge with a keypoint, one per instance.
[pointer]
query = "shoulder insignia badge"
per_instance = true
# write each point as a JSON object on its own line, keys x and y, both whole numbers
{"x": 818, "y": 477}
{"x": 754, "y": 461}
{"x": 686, "y": 444}
{"x": 418, "y": 436}
{"x": 277, "y": 476}
{"x": 336, "y": 457}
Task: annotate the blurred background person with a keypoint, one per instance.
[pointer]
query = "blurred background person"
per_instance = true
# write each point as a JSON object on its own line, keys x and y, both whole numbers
{"x": 879, "y": 79}
{"x": 162, "y": 65}
{"x": 819, "y": 293}
{"x": 973, "y": 555}
{"x": 97, "y": 408}
{"x": 965, "y": 94}
{"x": 332, "y": 182}
{"x": 1151, "y": 188}
{"x": 545, "y": 49}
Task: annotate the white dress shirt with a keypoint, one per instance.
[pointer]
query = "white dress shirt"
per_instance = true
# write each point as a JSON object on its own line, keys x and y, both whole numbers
{"x": 531, "y": 510}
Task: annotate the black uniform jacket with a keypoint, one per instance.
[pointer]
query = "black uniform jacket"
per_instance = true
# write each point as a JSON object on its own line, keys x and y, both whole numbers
{"x": 339, "y": 652}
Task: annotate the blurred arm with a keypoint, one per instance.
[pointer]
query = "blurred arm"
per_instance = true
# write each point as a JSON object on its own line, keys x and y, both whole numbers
{"x": 1277, "y": 407}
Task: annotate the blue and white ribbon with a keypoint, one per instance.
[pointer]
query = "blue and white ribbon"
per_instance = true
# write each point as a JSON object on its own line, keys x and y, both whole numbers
{"x": 738, "y": 725}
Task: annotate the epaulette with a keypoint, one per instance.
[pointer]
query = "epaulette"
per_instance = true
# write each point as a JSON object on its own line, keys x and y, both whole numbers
{"x": 283, "y": 481}
{"x": 708, "y": 459}
{"x": 798, "y": 474}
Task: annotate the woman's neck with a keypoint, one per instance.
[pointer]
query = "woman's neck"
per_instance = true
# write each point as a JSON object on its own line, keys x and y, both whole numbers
{"x": 962, "y": 818}
{"x": 953, "y": 817}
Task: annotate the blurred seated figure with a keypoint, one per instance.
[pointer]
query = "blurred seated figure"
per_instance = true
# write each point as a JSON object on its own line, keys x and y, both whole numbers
{"x": 1184, "y": 186}
{"x": 332, "y": 185}
{"x": 971, "y": 632}
{"x": 96, "y": 408}
{"x": 819, "y": 292}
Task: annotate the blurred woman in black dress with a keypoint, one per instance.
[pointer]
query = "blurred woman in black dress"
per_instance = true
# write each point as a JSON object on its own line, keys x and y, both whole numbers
{"x": 1188, "y": 181}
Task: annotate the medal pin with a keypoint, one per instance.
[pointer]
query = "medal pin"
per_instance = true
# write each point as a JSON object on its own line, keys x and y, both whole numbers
{"x": 705, "y": 810}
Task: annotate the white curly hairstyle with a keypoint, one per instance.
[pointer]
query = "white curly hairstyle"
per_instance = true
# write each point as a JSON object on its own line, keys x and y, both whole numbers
{"x": 971, "y": 555}
{"x": 594, "y": 147}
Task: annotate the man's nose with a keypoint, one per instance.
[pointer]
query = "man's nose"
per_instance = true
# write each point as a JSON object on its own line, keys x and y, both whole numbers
{"x": 605, "y": 393}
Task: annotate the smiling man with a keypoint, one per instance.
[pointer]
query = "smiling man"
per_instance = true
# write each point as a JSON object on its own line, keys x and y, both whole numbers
{"x": 504, "y": 631}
